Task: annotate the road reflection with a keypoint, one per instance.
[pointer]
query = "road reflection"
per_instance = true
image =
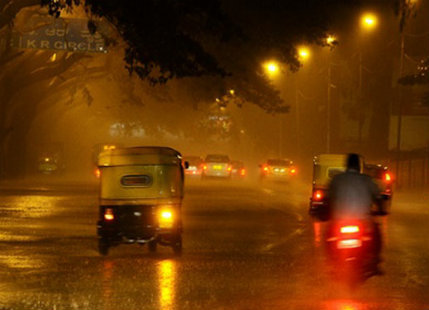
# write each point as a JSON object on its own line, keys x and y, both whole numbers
{"x": 35, "y": 206}
{"x": 317, "y": 230}
{"x": 167, "y": 284}
{"x": 108, "y": 266}
{"x": 344, "y": 304}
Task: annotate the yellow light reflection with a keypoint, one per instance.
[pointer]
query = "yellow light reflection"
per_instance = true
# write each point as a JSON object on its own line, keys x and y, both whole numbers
{"x": 36, "y": 206}
{"x": 20, "y": 261}
{"x": 107, "y": 284}
{"x": 167, "y": 283}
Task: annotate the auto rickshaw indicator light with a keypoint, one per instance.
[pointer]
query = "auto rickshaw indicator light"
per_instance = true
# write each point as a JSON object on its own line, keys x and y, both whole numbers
{"x": 108, "y": 215}
{"x": 166, "y": 219}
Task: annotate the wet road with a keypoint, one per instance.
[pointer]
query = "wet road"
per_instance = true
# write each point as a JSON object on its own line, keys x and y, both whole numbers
{"x": 245, "y": 247}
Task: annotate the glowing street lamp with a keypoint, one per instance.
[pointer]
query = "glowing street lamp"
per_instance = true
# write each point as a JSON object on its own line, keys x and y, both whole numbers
{"x": 369, "y": 21}
{"x": 304, "y": 53}
{"x": 271, "y": 67}
{"x": 330, "y": 39}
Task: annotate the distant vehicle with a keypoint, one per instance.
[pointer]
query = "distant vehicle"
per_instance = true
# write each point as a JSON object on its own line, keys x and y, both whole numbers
{"x": 325, "y": 167}
{"x": 140, "y": 198}
{"x": 384, "y": 179}
{"x": 195, "y": 167}
{"x": 217, "y": 166}
{"x": 48, "y": 164}
{"x": 277, "y": 169}
{"x": 238, "y": 170}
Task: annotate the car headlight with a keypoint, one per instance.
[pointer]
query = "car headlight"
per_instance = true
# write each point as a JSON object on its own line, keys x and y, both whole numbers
{"x": 166, "y": 217}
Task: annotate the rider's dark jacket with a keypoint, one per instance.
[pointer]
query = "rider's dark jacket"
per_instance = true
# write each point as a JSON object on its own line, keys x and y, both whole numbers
{"x": 351, "y": 195}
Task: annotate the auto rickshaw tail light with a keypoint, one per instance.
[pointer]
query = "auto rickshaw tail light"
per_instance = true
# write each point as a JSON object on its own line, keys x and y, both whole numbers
{"x": 108, "y": 215}
{"x": 318, "y": 195}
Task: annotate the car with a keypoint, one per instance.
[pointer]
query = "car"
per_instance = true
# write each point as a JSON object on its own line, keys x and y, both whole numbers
{"x": 238, "y": 169}
{"x": 384, "y": 179}
{"x": 277, "y": 169}
{"x": 195, "y": 167}
{"x": 217, "y": 166}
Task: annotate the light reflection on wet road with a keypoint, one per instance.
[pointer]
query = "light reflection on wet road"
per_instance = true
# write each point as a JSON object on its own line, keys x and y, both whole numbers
{"x": 244, "y": 248}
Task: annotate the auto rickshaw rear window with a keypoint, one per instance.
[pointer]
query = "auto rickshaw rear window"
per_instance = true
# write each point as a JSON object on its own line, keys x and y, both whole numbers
{"x": 334, "y": 171}
{"x": 137, "y": 180}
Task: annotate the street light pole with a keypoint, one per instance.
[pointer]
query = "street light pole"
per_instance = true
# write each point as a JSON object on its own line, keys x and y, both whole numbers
{"x": 399, "y": 125}
{"x": 328, "y": 108}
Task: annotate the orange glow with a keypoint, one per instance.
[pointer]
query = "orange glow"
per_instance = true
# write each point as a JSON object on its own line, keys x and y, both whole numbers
{"x": 349, "y": 229}
{"x": 243, "y": 172}
{"x": 318, "y": 195}
{"x": 166, "y": 218}
{"x": 369, "y": 21}
{"x": 97, "y": 173}
{"x": 108, "y": 215}
{"x": 229, "y": 168}
{"x": 205, "y": 167}
{"x": 387, "y": 177}
{"x": 317, "y": 233}
{"x": 167, "y": 284}
{"x": 349, "y": 243}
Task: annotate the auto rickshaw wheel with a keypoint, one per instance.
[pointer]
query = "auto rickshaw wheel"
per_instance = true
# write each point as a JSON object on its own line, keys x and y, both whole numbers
{"x": 152, "y": 245}
{"x": 103, "y": 247}
{"x": 177, "y": 244}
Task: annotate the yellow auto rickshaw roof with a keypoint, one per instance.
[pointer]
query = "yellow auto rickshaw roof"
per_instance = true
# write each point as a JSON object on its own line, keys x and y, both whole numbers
{"x": 143, "y": 155}
{"x": 329, "y": 159}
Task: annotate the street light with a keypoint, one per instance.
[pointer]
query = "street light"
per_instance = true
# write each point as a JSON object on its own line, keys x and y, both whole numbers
{"x": 330, "y": 39}
{"x": 369, "y": 21}
{"x": 303, "y": 52}
{"x": 271, "y": 67}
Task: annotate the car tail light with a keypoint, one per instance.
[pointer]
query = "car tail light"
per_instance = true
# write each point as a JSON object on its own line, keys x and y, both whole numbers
{"x": 243, "y": 172}
{"x": 352, "y": 229}
{"x": 229, "y": 168}
{"x": 349, "y": 243}
{"x": 108, "y": 215}
{"x": 265, "y": 169}
{"x": 205, "y": 167}
{"x": 318, "y": 195}
{"x": 293, "y": 171}
{"x": 387, "y": 177}
{"x": 97, "y": 173}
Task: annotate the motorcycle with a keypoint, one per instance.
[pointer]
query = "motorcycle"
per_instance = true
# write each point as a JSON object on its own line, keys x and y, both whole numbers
{"x": 354, "y": 248}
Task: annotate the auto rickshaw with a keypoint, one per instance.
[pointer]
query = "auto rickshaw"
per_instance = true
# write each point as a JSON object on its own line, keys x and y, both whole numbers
{"x": 325, "y": 167}
{"x": 141, "y": 191}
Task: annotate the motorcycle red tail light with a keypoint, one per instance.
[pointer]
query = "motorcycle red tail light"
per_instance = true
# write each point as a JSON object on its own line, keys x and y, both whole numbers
{"x": 352, "y": 229}
{"x": 349, "y": 243}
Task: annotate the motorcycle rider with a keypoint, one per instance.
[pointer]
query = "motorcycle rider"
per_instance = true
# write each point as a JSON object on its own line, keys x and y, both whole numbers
{"x": 351, "y": 196}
